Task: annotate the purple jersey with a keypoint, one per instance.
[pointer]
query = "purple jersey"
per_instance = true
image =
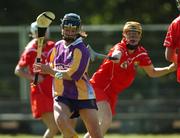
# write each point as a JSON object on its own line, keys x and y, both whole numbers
{"x": 74, "y": 59}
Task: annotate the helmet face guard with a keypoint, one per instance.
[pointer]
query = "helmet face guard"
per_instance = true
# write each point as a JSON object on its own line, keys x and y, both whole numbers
{"x": 178, "y": 4}
{"x": 132, "y": 32}
{"x": 71, "y": 25}
{"x": 132, "y": 26}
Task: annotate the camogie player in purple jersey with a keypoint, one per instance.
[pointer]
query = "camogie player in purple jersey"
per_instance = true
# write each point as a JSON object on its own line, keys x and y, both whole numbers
{"x": 73, "y": 93}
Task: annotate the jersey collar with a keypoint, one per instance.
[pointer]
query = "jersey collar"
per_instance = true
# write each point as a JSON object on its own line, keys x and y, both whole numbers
{"x": 77, "y": 41}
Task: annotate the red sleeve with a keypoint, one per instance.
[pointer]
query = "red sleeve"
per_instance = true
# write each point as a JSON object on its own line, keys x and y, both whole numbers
{"x": 27, "y": 58}
{"x": 168, "y": 42}
{"x": 144, "y": 59}
{"x": 118, "y": 47}
{"x": 29, "y": 54}
{"x": 172, "y": 36}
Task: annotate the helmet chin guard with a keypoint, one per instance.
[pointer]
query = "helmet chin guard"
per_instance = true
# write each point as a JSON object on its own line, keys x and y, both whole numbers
{"x": 132, "y": 47}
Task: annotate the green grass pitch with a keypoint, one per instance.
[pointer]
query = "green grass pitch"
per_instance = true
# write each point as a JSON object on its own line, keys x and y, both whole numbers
{"x": 106, "y": 136}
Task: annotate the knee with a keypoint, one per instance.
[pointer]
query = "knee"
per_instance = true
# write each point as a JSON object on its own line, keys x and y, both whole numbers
{"x": 107, "y": 119}
{"x": 61, "y": 119}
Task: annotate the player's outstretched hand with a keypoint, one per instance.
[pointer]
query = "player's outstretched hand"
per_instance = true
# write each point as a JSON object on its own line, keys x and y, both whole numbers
{"x": 42, "y": 68}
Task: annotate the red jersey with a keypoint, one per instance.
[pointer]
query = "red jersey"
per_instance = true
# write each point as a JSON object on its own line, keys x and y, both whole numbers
{"x": 173, "y": 34}
{"x": 120, "y": 75}
{"x": 172, "y": 40}
{"x": 28, "y": 58}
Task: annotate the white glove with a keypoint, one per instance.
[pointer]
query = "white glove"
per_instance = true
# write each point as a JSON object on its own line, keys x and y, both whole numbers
{"x": 117, "y": 54}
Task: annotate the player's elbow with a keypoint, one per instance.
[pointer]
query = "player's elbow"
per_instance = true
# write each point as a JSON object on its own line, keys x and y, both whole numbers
{"x": 170, "y": 55}
{"x": 17, "y": 71}
{"x": 152, "y": 74}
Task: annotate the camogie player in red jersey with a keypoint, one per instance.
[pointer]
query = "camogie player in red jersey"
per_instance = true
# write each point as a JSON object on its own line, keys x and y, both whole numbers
{"x": 172, "y": 42}
{"x": 113, "y": 77}
{"x": 40, "y": 94}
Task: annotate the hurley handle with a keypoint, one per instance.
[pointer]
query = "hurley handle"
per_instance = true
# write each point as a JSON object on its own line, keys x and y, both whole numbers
{"x": 38, "y": 60}
{"x": 112, "y": 58}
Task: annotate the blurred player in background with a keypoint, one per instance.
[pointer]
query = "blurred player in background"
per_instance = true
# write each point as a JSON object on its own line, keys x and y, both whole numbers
{"x": 172, "y": 42}
{"x": 113, "y": 77}
{"x": 41, "y": 94}
{"x": 74, "y": 95}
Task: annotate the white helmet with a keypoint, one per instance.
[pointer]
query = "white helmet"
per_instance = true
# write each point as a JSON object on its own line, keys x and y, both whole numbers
{"x": 34, "y": 29}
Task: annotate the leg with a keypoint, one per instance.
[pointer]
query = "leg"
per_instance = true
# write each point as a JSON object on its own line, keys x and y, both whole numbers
{"x": 90, "y": 119}
{"x": 64, "y": 123}
{"x": 48, "y": 119}
{"x": 73, "y": 122}
{"x": 104, "y": 116}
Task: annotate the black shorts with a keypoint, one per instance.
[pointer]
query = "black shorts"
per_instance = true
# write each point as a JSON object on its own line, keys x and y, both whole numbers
{"x": 76, "y": 105}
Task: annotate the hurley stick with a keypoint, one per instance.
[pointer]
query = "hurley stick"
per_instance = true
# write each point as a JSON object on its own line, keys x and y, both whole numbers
{"x": 43, "y": 22}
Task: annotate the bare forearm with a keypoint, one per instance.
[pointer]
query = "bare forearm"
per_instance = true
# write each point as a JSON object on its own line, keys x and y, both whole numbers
{"x": 158, "y": 72}
{"x": 24, "y": 74}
